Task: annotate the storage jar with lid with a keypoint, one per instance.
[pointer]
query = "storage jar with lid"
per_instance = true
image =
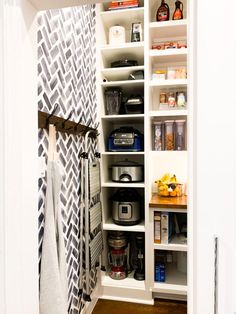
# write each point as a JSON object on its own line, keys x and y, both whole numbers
{"x": 169, "y": 135}
{"x": 180, "y": 135}
{"x": 157, "y": 138}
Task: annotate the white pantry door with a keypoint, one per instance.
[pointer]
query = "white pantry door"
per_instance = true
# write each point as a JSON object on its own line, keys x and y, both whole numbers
{"x": 216, "y": 155}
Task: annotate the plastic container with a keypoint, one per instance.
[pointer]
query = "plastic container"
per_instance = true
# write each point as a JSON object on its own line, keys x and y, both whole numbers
{"x": 157, "y": 139}
{"x": 113, "y": 99}
{"x": 180, "y": 135}
{"x": 171, "y": 100}
{"x": 181, "y": 100}
{"x": 169, "y": 135}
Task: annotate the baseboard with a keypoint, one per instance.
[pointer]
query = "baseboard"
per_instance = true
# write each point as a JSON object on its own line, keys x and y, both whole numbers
{"x": 123, "y": 299}
{"x": 167, "y": 296}
{"x": 89, "y": 306}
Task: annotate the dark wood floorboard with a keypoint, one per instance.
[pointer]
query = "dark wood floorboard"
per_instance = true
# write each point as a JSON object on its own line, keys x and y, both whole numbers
{"x": 160, "y": 307}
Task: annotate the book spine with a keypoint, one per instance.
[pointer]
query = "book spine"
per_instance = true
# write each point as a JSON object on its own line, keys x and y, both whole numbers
{"x": 157, "y": 227}
{"x": 164, "y": 228}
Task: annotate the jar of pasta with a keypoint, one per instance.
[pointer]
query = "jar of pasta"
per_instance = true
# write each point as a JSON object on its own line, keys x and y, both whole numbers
{"x": 169, "y": 135}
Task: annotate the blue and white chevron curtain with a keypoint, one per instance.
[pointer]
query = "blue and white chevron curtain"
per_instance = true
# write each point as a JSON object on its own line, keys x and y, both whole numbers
{"x": 67, "y": 76}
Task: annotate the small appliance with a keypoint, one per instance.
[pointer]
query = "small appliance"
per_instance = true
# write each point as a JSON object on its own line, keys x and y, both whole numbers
{"x": 137, "y": 256}
{"x": 117, "y": 255}
{"x": 126, "y": 207}
{"x": 113, "y": 97}
{"x": 127, "y": 171}
{"x": 124, "y": 63}
{"x": 136, "y": 33}
{"x": 116, "y": 35}
{"x": 134, "y": 105}
{"x": 136, "y": 75}
{"x": 125, "y": 139}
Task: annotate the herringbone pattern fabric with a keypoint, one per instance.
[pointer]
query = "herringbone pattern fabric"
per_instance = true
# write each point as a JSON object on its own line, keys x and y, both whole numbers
{"x": 66, "y": 71}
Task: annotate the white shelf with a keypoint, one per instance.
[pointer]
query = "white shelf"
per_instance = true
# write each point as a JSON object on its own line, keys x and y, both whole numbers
{"x": 168, "y": 113}
{"x": 123, "y": 185}
{"x": 125, "y": 46}
{"x": 124, "y": 17}
{"x": 128, "y": 83}
{"x": 124, "y": 117}
{"x": 110, "y": 225}
{"x": 176, "y": 244}
{"x": 168, "y": 83}
{"x": 122, "y": 153}
{"x": 176, "y": 282}
{"x": 119, "y": 74}
{"x": 169, "y": 55}
{"x": 169, "y": 29}
{"x": 128, "y": 282}
{"x": 130, "y": 51}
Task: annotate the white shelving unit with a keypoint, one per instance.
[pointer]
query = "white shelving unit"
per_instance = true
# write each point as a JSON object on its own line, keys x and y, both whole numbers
{"x": 154, "y": 162}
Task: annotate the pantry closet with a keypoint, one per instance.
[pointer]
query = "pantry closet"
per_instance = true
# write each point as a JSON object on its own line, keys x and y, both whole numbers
{"x": 211, "y": 157}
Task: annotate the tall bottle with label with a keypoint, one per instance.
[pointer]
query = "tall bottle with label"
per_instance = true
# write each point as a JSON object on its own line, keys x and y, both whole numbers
{"x": 178, "y": 13}
{"x": 163, "y": 12}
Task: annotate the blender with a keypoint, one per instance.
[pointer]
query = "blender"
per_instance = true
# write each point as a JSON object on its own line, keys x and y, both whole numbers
{"x": 117, "y": 256}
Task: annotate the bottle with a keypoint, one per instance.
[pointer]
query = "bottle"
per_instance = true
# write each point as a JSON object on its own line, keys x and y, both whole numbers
{"x": 163, "y": 12}
{"x": 178, "y": 13}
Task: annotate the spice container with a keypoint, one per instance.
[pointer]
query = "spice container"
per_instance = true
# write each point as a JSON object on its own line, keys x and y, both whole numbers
{"x": 163, "y": 104}
{"x": 169, "y": 135}
{"x": 171, "y": 100}
{"x": 180, "y": 135}
{"x": 157, "y": 140}
{"x": 181, "y": 100}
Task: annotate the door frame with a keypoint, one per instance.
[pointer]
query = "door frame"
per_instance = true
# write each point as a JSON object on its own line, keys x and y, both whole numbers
{"x": 23, "y": 178}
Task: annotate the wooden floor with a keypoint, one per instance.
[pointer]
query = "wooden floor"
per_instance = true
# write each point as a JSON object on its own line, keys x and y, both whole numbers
{"x": 160, "y": 307}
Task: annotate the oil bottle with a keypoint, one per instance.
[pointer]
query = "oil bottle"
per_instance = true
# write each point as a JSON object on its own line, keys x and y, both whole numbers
{"x": 163, "y": 12}
{"x": 178, "y": 13}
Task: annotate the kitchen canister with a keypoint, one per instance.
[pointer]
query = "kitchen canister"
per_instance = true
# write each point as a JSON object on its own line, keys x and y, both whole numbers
{"x": 116, "y": 35}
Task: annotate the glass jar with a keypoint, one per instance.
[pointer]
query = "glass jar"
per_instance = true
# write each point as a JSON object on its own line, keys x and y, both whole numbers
{"x": 157, "y": 139}
{"x": 169, "y": 135}
{"x": 181, "y": 100}
{"x": 180, "y": 135}
{"x": 171, "y": 100}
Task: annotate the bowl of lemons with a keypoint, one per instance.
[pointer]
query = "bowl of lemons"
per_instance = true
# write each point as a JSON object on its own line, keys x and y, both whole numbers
{"x": 169, "y": 186}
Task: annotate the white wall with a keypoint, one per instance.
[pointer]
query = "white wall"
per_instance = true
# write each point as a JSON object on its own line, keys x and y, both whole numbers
{"x": 216, "y": 152}
{"x": 20, "y": 153}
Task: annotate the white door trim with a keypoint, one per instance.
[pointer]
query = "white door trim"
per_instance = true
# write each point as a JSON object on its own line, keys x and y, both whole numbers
{"x": 2, "y": 177}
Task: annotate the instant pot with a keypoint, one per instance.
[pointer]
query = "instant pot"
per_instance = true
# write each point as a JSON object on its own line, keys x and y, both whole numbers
{"x": 126, "y": 207}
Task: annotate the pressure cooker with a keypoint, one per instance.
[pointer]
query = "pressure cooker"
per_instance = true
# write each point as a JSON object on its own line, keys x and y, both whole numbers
{"x": 126, "y": 207}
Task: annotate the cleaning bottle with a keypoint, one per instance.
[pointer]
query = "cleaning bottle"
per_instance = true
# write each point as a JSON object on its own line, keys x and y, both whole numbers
{"x": 163, "y": 12}
{"x": 178, "y": 13}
